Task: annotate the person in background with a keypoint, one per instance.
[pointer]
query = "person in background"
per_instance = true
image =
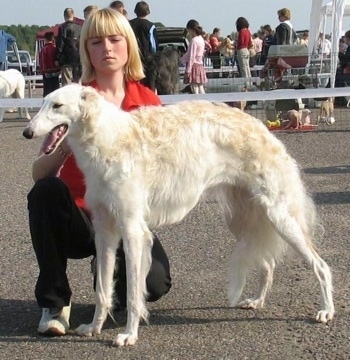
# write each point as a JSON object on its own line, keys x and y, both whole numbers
{"x": 6, "y": 40}
{"x": 48, "y": 68}
{"x": 244, "y": 40}
{"x": 284, "y": 33}
{"x": 67, "y": 45}
{"x": 207, "y": 49}
{"x": 59, "y": 220}
{"x": 305, "y": 38}
{"x": 145, "y": 31}
{"x": 88, "y": 10}
{"x": 117, "y": 5}
{"x": 257, "y": 43}
{"x": 216, "y": 45}
{"x": 229, "y": 59}
{"x": 324, "y": 45}
{"x": 268, "y": 40}
{"x": 342, "y": 77}
{"x": 193, "y": 58}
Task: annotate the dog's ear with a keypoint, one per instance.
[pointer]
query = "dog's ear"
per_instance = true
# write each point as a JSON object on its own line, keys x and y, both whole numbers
{"x": 89, "y": 104}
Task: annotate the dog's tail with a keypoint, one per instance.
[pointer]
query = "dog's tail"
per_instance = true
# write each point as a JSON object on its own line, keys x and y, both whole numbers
{"x": 258, "y": 242}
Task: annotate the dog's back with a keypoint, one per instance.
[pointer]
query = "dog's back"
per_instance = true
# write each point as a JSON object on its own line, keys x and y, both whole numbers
{"x": 208, "y": 132}
{"x": 13, "y": 83}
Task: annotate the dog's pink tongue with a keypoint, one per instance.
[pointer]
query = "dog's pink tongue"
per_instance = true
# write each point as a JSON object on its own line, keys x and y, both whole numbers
{"x": 51, "y": 140}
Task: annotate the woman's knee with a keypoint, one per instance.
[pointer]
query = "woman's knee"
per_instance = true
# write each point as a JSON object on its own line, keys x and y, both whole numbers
{"x": 46, "y": 189}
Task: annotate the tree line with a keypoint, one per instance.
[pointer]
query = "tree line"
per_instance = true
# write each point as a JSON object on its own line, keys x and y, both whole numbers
{"x": 25, "y": 35}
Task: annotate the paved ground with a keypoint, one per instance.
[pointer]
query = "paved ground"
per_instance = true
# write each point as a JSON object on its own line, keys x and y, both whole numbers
{"x": 193, "y": 321}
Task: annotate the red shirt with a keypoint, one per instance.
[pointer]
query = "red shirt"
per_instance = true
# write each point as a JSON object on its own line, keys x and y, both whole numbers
{"x": 244, "y": 39}
{"x": 136, "y": 95}
{"x": 214, "y": 43}
{"x": 47, "y": 58}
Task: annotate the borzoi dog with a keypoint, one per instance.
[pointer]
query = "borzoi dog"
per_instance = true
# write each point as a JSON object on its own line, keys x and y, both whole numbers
{"x": 12, "y": 83}
{"x": 151, "y": 166}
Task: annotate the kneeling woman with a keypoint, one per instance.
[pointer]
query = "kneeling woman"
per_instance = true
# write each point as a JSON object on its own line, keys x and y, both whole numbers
{"x": 60, "y": 223}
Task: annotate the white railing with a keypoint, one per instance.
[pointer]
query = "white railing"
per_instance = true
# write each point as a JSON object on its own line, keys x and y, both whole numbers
{"x": 215, "y": 97}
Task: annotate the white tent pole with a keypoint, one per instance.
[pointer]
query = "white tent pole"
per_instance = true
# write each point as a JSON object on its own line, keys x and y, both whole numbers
{"x": 337, "y": 24}
{"x": 315, "y": 17}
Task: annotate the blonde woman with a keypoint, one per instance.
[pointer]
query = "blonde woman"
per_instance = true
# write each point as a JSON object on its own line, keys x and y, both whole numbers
{"x": 59, "y": 219}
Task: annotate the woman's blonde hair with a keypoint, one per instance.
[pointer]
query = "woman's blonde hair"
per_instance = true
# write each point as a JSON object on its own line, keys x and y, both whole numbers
{"x": 107, "y": 22}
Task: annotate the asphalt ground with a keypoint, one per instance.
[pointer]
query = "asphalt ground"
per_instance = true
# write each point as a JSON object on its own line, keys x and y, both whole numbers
{"x": 193, "y": 321}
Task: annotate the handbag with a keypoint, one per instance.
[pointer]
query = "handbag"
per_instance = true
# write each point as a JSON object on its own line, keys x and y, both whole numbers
{"x": 251, "y": 49}
{"x": 252, "y": 52}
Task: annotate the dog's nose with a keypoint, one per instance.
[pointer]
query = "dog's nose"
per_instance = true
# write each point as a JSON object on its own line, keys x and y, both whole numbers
{"x": 28, "y": 134}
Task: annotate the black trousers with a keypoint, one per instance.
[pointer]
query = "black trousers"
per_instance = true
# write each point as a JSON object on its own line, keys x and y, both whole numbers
{"x": 50, "y": 84}
{"x": 60, "y": 231}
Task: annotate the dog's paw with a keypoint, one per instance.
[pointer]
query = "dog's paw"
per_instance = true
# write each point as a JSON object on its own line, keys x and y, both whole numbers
{"x": 324, "y": 316}
{"x": 125, "y": 340}
{"x": 87, "y": 330}
{"x": 252, "y": 303}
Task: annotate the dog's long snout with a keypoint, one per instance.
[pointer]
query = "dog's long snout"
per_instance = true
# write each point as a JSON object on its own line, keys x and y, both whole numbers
{"x": 28, "y": 134}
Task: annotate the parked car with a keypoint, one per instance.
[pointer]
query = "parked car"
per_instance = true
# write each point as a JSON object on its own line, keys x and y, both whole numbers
{"x": 175, "y": 37}
{"x": 28, "y": 65}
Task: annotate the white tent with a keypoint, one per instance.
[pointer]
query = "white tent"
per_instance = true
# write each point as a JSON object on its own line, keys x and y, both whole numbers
{"x": 336, "y": 9}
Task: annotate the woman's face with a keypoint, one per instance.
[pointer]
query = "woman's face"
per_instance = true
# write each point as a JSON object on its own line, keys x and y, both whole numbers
{"x": 108, "y": 54}
{"x": 281, "y": 18}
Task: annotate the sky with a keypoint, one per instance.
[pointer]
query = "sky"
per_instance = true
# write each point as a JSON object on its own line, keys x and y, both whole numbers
{"x": 209, "y": 13}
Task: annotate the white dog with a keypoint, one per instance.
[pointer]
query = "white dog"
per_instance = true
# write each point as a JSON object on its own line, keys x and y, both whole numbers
{"x": 12, "y": 84}
{"x": 151, "y": 166}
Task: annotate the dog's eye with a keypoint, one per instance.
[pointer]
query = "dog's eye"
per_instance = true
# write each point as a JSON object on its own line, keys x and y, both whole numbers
{"x": 56, "y": 106}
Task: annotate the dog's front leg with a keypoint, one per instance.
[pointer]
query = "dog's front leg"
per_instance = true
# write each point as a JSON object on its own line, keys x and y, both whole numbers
{"x": 137, "y": 246}
{"x": 26, "y": 114}
{"x": 106, "y": 245}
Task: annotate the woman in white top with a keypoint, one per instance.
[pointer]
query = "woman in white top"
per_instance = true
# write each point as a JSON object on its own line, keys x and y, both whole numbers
{"x": 193, "y": 58}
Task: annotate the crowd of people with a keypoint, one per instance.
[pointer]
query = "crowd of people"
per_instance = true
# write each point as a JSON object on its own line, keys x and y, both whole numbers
{"x": 109, "y": 53}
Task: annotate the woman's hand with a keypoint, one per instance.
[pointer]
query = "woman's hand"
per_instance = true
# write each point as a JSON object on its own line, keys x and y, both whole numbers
{"x": 65, "y": 147}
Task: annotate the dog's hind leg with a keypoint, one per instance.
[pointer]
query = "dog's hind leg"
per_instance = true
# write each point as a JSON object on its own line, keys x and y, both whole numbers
{"x": 265, "y": 283}
{"x": 296, "y": 231}
{"x": 137, "y": 244}
{"x": 107, "y": 241}
{"x": 2, "y": 112}
{"x": 257, "y": 245}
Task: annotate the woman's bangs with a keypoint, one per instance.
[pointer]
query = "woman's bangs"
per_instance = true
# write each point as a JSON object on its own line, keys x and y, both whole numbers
{"x": 101, "y": 27}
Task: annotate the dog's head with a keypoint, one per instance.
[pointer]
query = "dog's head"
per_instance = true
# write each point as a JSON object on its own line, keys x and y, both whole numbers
{"x": 63, "y": 112}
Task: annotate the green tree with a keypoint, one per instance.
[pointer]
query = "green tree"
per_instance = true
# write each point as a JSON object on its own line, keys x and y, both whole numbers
{"x": 25, "y": 35}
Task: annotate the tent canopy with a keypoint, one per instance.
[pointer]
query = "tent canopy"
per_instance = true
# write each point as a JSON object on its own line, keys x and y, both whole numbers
{"x": 327, "y": 8}
{"x": 54, "y": 29}
{"x": 318, "y": 16}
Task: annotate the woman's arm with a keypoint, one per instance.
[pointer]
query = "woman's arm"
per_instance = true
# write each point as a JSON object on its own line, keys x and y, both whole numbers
{"x": 50, "y": 165}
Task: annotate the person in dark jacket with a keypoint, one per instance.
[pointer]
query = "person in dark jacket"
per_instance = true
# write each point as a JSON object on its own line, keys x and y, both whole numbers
{"x": 67, "y": 44}
{"x": 284, "y": 34}
{"x": 145, "y": 31}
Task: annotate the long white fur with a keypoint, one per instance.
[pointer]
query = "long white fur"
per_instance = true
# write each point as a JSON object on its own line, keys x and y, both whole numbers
{"x": 150, "y": 167}
{"x": 12, "y": 84}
